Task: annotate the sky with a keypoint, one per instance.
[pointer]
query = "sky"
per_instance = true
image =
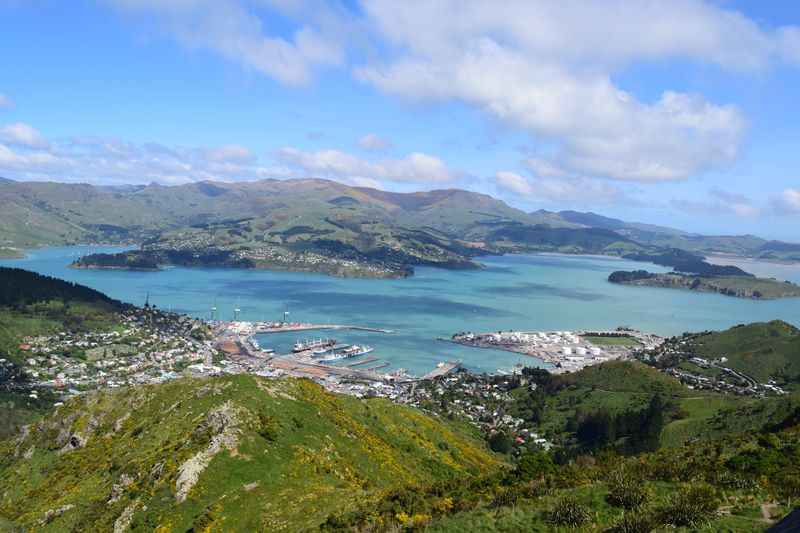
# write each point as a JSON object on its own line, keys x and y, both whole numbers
{"x": 681, "y": 112}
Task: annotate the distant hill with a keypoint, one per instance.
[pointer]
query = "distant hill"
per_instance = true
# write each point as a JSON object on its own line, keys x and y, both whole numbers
{"x": 238, "y": 453}
{"x": 323, "y": 226}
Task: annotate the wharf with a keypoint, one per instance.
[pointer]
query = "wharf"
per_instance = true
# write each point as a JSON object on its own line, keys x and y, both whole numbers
{"x": 377, "y": 367}
{"x": 260, "y": 327}
{"x": 442, "y": 369}
{"x": 362, "y": 362}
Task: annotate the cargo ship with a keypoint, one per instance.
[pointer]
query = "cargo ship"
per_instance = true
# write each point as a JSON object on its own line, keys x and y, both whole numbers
{"x": 316, "y": 344}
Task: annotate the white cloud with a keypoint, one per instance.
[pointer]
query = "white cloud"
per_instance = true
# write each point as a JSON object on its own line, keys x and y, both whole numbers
{"x": 234, "y": 30}
{"x": 720, "y": 202}
{"x": 547, "y": 67}
{"x": 334, "y": 164}
{"x": 374, "y": 142}
{"x": 788, "y": 202}
{"x": 230, "y": 153}
{"x": 24, "y": 135}
{"x": 562, "y": 191}
{"x": 790, "y": 44}
{"x": 102, "y": 160}
{"x": 5, "y": 101}
{"x": 513, "y": 182}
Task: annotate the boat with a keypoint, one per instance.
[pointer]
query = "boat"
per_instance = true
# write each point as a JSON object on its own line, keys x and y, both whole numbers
{"x": 302, "y": 346}
{"x": 346, "y": 353}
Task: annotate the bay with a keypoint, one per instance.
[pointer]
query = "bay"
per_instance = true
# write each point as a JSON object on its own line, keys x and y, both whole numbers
{"x": 524, "y": 292}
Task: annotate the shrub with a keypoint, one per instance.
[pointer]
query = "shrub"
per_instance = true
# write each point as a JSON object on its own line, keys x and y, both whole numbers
{"x": 637, "y": 521}
{"x": 627, "y": 491}
{"x": 505, "y": 497}
{"x": 500, "y": 442}
{"x": 569, "y": 512}
{"x": 534, "y": 465}
{"x": 692, "y": 506}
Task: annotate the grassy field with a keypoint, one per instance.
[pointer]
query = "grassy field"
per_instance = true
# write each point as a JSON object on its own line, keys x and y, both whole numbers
{"x": 600, "y": 340}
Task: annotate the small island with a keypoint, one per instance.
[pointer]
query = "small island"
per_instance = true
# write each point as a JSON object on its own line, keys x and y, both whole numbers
{"x": 742, "y": 286}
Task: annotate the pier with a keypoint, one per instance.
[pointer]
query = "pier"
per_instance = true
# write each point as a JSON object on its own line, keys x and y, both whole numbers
{"x": 377, "y": 367}
{"x": 442, "y": 369}
{"x": 268, "y": 327}
{"x": 362, "y": 362}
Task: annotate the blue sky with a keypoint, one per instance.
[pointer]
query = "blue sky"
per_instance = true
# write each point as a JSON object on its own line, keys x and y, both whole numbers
{"x": 681, "y": 113}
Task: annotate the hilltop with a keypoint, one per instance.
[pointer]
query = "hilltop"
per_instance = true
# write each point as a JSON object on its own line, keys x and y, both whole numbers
{"x": 238, "y": 453}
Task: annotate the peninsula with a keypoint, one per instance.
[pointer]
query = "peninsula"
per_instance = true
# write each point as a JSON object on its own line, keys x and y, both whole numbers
{"x": 738, "y": 286}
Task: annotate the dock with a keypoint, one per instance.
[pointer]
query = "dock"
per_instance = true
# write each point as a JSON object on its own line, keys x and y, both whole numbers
{"x": 261, "y": 327}
{"x": 442, "y": 369}
{"x": 362, "y": 362}
{"x": 377, "y": 367}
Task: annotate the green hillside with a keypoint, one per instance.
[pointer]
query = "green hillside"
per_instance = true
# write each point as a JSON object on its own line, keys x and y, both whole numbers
{"x": 631, "y": 407}
{"x": 236, "y": 454}
{"x": 765, "y": 350}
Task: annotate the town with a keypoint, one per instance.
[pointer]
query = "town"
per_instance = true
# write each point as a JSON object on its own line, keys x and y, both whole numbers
{"x": 147, "y": 346}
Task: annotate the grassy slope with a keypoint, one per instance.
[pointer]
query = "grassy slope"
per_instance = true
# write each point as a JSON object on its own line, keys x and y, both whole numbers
{"x": 762, "y": 350}
{"x": 299, "y": 454}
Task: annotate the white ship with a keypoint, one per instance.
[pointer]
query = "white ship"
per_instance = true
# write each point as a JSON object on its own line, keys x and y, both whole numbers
{"x": 351, "y": 351}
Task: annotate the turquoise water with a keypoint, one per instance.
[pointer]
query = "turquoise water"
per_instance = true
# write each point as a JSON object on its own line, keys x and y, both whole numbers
{"x": 531, "y": 292}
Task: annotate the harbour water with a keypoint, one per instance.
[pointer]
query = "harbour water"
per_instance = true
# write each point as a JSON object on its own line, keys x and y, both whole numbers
{"x": 526, "y": 292}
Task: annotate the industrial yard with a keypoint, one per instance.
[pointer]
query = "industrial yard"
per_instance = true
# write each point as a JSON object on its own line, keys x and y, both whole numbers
{"x": 564, "y": 351}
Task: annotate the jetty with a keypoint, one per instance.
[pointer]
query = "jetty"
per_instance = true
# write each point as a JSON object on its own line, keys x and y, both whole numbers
{"x": 442, "y": 369}
{"x": 377, "y": 367}
{"x": 272, "y": 327}
{"x": 362, "y": 362}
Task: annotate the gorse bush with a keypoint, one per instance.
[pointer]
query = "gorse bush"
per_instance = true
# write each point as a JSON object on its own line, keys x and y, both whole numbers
{"x": 692, "y": 506}
{"x": 636, "y": 521}
{"x": 627, "y": 491}
{"x": 569, "y": 512}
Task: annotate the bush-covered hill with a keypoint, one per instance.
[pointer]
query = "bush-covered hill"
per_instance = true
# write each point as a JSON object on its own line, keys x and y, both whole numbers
{"x": 238, "y": 453}
{"x": 737, "y": 484}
